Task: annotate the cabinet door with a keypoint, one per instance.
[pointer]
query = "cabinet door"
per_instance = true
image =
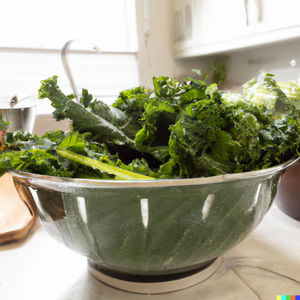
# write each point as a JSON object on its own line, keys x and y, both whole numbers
{"x": 203, "y": 22}
{"x": 215, "y": 26}
{"x": 278, "y": 14}
{"x": 220, "y": 20}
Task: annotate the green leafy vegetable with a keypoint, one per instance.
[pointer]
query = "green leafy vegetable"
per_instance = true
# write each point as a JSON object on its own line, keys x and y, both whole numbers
{"x": 83, "y": 120}
{"x": 120, "y": 173}
{"x": 219, "y": 70}
{"x": 3, "y": 124}
{"x": 178, "y": 129}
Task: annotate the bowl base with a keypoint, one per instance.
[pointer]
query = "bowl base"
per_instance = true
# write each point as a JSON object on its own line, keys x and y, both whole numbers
{"x": 156, "y": 286}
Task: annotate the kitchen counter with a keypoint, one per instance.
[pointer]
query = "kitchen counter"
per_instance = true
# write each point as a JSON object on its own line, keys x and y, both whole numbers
{"x": 264, "y": 265}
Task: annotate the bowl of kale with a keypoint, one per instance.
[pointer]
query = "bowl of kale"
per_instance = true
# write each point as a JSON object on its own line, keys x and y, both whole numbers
{"x": 164, "y": 181}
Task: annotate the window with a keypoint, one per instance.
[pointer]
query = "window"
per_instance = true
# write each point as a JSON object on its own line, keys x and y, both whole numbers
{"x": 34, "y": 32}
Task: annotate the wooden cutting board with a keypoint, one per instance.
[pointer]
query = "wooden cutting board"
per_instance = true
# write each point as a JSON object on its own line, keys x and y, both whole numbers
{"x": 17, "y": 212}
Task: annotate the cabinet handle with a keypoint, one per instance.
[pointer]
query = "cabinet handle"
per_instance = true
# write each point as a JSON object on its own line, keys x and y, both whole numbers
{"x": 247, "y": 12}
{"x": 253, "y": 13}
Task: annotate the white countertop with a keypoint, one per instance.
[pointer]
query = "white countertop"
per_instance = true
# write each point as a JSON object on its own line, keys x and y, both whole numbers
{"x": 264, "y": 265}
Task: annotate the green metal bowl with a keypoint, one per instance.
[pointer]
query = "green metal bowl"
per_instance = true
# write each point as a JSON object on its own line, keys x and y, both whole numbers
{"x": 153, "y": 227}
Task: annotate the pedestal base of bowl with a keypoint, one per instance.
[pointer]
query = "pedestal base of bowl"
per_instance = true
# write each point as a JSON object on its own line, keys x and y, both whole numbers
{"x": 155, "y": 284}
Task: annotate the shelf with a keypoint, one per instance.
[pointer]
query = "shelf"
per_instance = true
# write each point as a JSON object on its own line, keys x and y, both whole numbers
{"x": 253, "y": 40}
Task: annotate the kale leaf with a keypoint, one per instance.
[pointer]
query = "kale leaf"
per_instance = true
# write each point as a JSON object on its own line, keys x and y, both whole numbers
{"x": 178, "y": 129}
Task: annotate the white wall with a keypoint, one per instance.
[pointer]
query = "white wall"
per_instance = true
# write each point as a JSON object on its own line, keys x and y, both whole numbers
{"x": 243, "y": 65}
{"x": 274, "y": 58}
{"x": 155, "y": 39}
{"x": 156, "y": 53}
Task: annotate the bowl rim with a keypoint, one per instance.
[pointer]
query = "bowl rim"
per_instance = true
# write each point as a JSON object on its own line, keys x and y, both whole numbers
{"x": 83, "y": 182}
{"x": 6, "y": 108}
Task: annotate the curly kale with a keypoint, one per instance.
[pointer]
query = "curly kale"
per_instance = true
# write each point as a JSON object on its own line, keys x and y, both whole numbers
{"x": 178, "y": 129}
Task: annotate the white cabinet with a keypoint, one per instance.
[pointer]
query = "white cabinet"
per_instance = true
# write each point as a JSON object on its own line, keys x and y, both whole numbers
{"x": 278, "y": 14}
{"x": 212, "y": 26}
{"x": 200, "y": 22}
{"x": 217, "y": 23}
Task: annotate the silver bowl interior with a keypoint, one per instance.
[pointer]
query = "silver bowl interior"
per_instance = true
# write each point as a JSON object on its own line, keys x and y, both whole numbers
{"x": 21, "y": 118}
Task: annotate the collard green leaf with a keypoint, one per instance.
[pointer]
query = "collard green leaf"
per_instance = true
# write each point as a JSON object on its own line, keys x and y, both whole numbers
{"x": 121, "y": 173}
{"x": 73, "y": 143}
